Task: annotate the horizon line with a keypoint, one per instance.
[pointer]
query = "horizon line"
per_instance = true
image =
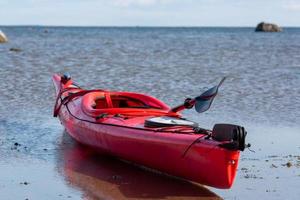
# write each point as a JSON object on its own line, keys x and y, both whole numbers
{"x": 135, "y": 26}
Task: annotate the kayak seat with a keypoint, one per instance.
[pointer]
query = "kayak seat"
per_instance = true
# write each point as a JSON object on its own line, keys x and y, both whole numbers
{"x": 119, "y": 101}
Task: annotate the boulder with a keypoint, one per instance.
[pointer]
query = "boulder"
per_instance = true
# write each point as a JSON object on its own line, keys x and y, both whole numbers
{"x": 3, "y": 37}
{"x": 267, "y": 27}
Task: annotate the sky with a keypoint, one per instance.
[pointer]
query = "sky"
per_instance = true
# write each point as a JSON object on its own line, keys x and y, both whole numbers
{"x": 149, "y": 12}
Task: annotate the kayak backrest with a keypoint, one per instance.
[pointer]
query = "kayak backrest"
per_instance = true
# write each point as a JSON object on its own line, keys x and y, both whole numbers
{"x": 120, "y": 101}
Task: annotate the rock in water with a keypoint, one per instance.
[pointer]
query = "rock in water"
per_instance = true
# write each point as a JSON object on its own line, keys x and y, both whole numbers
{"x": 267, "y": 27}
{"x": 3, "y": 37}
{"x": 15, "y": 49}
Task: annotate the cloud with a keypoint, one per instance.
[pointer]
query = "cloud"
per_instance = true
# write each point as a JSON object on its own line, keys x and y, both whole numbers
{"x": 126, "y": 3}
{"x": 292, "y": 5}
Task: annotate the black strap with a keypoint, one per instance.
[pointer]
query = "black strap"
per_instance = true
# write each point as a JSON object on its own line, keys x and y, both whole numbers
{"x": 68, "y": 98}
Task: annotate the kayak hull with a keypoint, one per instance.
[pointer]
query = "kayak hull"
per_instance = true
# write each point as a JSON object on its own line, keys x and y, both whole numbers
{"x": 190, "y": 156}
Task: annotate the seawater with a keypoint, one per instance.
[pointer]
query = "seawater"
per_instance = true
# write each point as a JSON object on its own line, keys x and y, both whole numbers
{"x": 261, "y": 91}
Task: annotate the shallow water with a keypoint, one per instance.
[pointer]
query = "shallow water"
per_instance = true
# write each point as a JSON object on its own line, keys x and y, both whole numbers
{"x": 261, "y": 93}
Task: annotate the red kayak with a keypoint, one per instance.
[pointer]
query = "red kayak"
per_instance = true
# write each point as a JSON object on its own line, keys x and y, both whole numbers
{"x": 144, "y": 130}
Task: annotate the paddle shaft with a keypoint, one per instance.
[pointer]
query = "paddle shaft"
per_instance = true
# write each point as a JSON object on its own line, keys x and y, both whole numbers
{"x": 186, "y": 105}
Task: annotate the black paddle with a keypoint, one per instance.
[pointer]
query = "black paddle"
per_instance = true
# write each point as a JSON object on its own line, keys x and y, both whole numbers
{"x": 202, "y": 102}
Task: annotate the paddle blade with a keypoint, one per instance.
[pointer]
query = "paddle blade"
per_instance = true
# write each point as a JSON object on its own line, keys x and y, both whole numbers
{"x": 204, "y": 101}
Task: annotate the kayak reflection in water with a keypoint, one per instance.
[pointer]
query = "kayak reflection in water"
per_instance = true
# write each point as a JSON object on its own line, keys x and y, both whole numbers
{"x": 103, "y": 177}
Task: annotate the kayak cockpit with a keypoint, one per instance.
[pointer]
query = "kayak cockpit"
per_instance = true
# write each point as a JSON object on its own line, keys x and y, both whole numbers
{"x": 96, "y": 103}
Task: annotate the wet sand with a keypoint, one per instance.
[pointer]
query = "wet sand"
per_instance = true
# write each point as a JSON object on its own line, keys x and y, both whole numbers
{"x": 69, "y": 170}
{"x": 273, "y": 170}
